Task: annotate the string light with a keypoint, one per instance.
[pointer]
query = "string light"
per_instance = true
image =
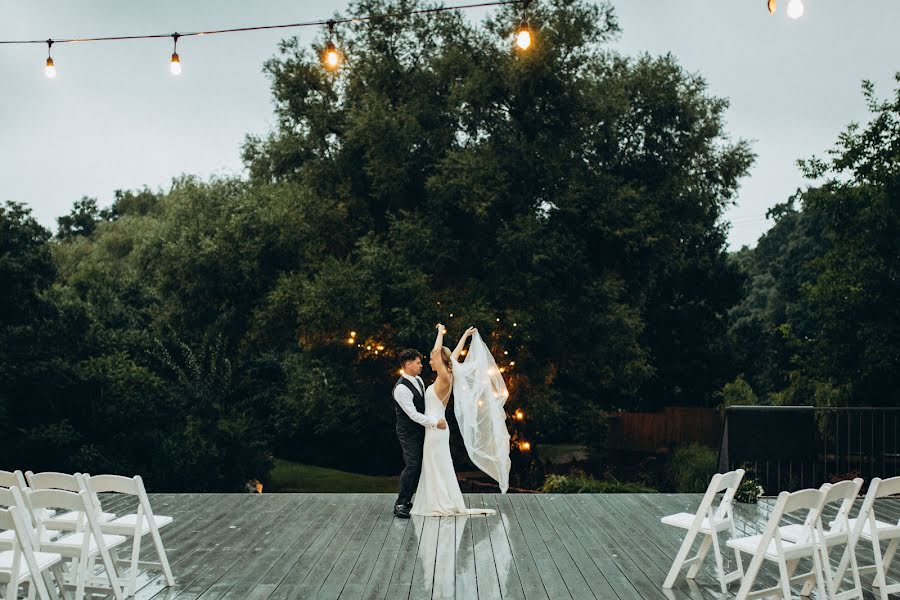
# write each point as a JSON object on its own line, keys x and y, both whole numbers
{"x": 175, "y": 63}
{"x": 771, "y": 6}
{"x": 523, "y": 36}
{"x": 524, "y": 446}
{"x": 795, "y": 9}
{"x": 520, "y": 416}
{"x": 330, "y": 58}
{"x": 50, "y": 68}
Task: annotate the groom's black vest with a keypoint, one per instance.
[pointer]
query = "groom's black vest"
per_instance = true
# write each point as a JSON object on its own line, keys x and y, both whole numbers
{"x": 403, "y": 421}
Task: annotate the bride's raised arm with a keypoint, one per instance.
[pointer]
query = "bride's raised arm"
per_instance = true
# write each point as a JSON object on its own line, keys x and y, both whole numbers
{"x": 441, "y": 369}
{"x": 462, "y": 343}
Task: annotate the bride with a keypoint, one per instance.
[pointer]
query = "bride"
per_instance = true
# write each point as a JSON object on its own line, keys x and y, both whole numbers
{"x": 479, "y": 394}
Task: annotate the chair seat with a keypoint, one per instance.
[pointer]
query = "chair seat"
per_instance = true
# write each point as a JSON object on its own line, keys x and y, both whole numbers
{"x": 750, "y": 543}
{"x": 685, "y": 520}
{"x": 9, "y": 535}
{"x": 71, "y": 544}
{"x": 794, "y": 533}
{"x": 70, "y": 519}
{"x": 44, "y": 560}
{"x": 127, "y": 522}
{"x": 885, "y": 530}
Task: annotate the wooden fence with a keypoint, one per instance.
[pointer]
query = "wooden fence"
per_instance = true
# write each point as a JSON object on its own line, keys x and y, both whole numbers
{"x": 657, "y": 432}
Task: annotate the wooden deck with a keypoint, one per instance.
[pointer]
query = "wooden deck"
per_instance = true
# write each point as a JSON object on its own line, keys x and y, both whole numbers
{"x": 286, "y": 546}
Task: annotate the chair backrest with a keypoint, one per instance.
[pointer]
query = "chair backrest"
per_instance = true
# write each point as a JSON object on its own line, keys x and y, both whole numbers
{"x": 788, "y": 503}
{"x": 50, "y": 480}
{"x": 15, "y": 478}
{"x": 846, "y": 493}
{"x": 100, "y": 484}
{"x": 721, "y": 482}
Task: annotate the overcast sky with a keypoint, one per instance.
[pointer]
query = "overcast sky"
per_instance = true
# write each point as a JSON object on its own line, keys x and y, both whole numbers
{"x": 114, "y": 118}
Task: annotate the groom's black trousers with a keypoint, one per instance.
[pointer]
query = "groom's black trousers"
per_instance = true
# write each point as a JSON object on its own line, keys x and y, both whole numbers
{"x": 411, "y": 441}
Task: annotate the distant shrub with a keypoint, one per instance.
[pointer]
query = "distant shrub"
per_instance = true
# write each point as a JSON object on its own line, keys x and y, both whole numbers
{"x": 580, "y": 483}
{"x": 691, "y": 467}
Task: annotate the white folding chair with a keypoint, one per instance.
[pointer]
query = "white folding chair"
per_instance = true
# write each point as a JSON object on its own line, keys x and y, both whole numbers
{"x": 64, "y": 521}
{"x": 708, "y": 522}
{"x": 10, "y": 479}
{"x": 21, "y": 565}
{"x": 838, "y": 534}
{"x": 135, "y": 525}
{"x": 770, "y": 546}
{"x": 869, "y": 527}
{"x": 84, "y": 546}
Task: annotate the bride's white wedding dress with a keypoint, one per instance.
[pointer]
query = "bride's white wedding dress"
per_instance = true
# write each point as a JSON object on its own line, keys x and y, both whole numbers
{"x": 438, "y": 493}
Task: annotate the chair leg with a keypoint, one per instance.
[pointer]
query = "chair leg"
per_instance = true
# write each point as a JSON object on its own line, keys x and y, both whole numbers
{"x": 880, "y": 580}
{"x": 785, "y": 577}
{"x": 720, "y": 564}
{"x": 132, "y": 575}
{"x": 889, "y": 554}
{"x": 749, "y": 577}
{"x": 817, "y": 567}
{"x": 167, "y": 571}
{"x": 674, "y": 570}
{"x": 701, "y": 555}
{"x": 857, "y": 584}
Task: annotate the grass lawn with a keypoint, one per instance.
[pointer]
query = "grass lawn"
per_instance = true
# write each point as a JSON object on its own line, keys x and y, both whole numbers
{"x": 288, "y": 476}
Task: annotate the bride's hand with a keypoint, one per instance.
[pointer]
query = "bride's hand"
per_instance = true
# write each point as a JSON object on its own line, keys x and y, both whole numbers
{"x": 439, "y": 327}
{"x": 470, "y": 331}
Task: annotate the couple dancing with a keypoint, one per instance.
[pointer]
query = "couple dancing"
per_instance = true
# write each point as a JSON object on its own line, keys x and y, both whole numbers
{"x": 479, "y": 394}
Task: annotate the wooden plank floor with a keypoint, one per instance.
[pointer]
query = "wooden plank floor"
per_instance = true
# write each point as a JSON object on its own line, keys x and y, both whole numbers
{"x": 337, "y": 546}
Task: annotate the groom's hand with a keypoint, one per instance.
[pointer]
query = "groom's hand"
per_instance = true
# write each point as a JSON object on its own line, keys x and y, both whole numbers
{"x": 442, "y": 424}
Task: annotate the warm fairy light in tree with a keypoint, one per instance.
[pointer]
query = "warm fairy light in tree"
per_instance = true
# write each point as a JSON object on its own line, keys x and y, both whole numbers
{"x": 503, "y": 369}
{"x": 380, "y": 347}
{"x": 505, "y": 352}
{"x": 523, "y": 37}
{"x": 368, "y": 347}
{"x": 451, "y": 315}
{"x": 351, "y": 341}
{"x": 512, "y": 363}
{"x": 352, "y": 334}
{"x": 401, "y": 371}
{"x": 795, "y": 9}
{"x": 331, "y": 58}
{"x": 49, "y": 68}
{"x": 524, "y": 446}
{"x": 520, "y": 416}
{"x": 771, "y": 6}
{"x": 498, "y": 319}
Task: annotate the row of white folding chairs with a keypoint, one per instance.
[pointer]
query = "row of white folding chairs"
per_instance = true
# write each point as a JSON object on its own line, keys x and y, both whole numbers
{"x": 81, "y": 533}
{"x": 787, "y": 545}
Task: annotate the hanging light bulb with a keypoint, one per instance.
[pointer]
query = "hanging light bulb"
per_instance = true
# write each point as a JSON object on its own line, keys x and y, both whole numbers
{"x": 795, "y": 9}
{"x": 523, "y": 37}
{"x": 50, "y": 68}
{"x": 771, "y": 6}
{"x": 175, "y": 64}
{"x": 331, "y": 57}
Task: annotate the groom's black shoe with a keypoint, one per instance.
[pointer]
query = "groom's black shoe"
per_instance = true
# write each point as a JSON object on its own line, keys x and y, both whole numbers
{"x": 401, "y": 511}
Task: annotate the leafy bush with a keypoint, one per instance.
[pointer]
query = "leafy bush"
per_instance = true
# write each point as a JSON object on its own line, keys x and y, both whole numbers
{"x": 691, "y": 468}
{"x": 580, "y": 483}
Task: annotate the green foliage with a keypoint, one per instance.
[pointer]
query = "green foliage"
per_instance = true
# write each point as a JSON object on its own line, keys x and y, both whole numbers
{"x": 737, "y": 393}
{"x": 293, "y": 477}
{"x": 579, "y": 483}
{"x": 749, "y": 491}
{"x": 691, "y": 467}
{"x": 821, "y": 323}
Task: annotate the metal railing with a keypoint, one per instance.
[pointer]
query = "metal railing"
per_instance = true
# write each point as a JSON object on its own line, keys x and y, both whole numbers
{"x": 796, "y": 447}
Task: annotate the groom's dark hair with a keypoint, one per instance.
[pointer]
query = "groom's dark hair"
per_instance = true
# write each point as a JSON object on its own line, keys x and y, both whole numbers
{"x": 408, "y": 355}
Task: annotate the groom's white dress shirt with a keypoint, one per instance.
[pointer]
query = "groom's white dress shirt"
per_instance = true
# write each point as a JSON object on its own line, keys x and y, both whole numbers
{"x": 404, "y": 398}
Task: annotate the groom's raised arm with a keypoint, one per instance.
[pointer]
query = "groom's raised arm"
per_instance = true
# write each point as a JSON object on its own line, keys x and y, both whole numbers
{"x": 404, "y": 398}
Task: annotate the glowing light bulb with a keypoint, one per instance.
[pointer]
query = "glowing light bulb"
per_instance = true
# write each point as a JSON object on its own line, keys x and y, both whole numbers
{"x": 50, "y": 69}
{"x": 520, "y": 415}
{"x": 380, "y": 347}
{"x": 351, "y": 341}
{"x": 352, "y": 334}
{"x": 175, "y": 64}
{"x": 771, "y": 6}
{"x": 524, "y": 446}
{"x": 795, "y": 9}
{"x": 332, "y": 58}
{"x": 512, "y": 363}
{"x": 523, "y": 37}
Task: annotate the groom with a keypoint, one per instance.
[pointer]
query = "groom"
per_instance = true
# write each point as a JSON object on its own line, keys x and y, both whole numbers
{"x": 409, "y": 408}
